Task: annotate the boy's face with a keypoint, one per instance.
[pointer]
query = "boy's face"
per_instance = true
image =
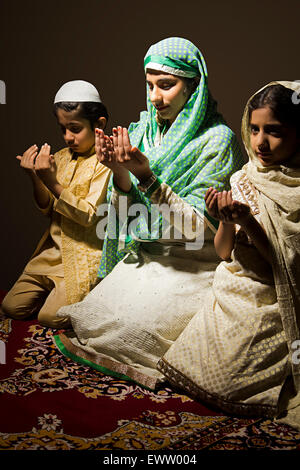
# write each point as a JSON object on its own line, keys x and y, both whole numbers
{"x": 77, "y": 131}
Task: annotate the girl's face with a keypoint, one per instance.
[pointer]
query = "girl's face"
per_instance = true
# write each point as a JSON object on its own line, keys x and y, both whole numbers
{"x": 77, "y": 131}
{"x": 168, "y": 94}
{"x": 272, "y": 141}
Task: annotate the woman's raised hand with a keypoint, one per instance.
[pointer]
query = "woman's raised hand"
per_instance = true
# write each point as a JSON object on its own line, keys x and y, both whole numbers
{"x": 121, "y": 144}
{"x": 28, "y": 158}
{"x": 105, "y": 149}
{"x": 130, "y": 157}
{"x": 107, "y": 155}
{"x": 116, "y": 153}
{"x": 220, "y": 206}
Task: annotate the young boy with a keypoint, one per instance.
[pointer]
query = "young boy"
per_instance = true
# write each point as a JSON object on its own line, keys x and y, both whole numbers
{"x": 68, "y": 186}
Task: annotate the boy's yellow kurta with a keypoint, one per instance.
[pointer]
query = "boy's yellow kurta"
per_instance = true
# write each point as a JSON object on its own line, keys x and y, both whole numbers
{"x": 70, "y": 247}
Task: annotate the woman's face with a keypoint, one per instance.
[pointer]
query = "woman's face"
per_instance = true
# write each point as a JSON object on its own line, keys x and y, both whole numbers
{"x": 168, "y": 93}
{"x": 272, "y": 141}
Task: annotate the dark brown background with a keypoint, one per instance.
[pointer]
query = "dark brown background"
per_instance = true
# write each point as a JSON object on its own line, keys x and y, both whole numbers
{"x": 46, "y": 43}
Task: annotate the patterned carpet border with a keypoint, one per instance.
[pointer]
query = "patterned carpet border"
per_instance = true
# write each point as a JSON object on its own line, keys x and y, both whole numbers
{"x": 48, "y": 402}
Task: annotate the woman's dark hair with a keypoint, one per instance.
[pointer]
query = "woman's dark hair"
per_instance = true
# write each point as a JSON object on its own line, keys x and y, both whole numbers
{"x": 86, "y": 110}
{"x": 280, "y": 100}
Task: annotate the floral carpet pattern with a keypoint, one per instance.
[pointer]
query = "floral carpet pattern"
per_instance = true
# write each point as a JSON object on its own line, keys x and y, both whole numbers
{"x": 49, "y": 402}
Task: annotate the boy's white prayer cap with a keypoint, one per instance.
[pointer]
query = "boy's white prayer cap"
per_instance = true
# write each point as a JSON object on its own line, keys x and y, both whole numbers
{"x": 77, "y": 90}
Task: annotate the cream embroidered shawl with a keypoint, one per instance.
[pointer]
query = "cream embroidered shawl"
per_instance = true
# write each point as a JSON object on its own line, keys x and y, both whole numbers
{"x": 278, "y": 192}
{"x": 279, "y": 202}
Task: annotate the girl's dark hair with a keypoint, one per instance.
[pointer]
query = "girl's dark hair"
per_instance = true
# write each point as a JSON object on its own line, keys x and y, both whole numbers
{"x": 86, "y": 110}
{"x": 280, "y": 100}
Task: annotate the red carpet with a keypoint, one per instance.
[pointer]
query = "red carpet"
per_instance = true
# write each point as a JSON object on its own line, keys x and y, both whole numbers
{"x": 49, "y": 402}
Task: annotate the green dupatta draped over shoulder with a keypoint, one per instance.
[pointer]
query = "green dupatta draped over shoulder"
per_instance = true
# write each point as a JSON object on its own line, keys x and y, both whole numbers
{"x": 196, "y": 152}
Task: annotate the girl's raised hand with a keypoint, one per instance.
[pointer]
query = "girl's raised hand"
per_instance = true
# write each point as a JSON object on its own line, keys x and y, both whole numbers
{"x": 28, "y": 157}
{"x": 240, "y": 213}
{"x": 232, "y": 212}
{"x": 220, "y": 206}
{"x": 211, "y": 201}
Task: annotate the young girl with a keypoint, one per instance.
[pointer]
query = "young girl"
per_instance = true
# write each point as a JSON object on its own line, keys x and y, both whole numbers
{"x": 237, "y": 352}
{"x": 68, "y": 187}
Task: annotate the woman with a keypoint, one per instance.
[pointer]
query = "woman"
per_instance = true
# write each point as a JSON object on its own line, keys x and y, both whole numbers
{"x": 239, "y": 352}
{"x": 147, "y": 296}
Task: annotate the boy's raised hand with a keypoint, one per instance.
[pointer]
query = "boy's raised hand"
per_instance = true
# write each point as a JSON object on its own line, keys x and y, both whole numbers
{"x": 44, "y": 163}
{"x": 28, "y": 158}
{"x": 45, "y": 168}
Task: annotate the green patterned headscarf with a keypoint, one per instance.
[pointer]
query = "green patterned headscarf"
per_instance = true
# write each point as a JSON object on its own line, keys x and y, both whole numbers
{"x": 196, "y": 152}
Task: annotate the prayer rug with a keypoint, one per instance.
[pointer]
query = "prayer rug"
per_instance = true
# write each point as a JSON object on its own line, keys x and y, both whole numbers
{"x": 48, "y": 402}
